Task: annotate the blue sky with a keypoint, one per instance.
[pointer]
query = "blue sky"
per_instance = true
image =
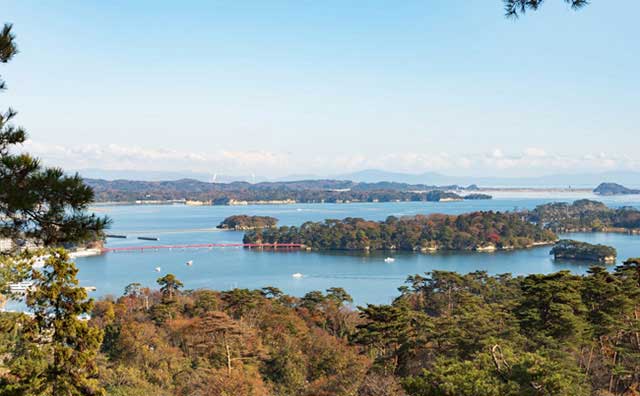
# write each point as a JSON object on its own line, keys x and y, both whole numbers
{"x": 323, "y": 87}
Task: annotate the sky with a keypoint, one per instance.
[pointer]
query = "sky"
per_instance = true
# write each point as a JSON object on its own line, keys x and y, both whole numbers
{"x": 275, "y": 88}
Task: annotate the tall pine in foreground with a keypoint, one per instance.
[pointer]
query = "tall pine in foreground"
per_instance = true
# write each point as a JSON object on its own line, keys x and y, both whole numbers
{"x": 53, "y": 352}
{"x": 37, "y": 203}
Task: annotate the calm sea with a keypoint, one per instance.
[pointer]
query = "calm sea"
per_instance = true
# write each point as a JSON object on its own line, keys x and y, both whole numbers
{"x": 367, "y": 277}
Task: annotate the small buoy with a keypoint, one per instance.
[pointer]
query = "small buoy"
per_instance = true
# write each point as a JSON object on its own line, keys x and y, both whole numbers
{"x": 297, "y": 275}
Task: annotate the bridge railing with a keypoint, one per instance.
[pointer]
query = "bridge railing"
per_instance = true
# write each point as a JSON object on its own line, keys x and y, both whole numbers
{"x": 204, "y": 245}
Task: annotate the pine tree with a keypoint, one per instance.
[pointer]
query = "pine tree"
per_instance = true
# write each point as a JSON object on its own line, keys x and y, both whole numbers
{"x": 513, "y": 8}
{"x": 169, "y": 286}
{"x": 56, "y": 353}
{"x": 37, "y": 203}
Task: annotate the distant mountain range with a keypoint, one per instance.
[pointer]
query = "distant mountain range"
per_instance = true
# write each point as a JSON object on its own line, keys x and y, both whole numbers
{"x": 154, "y": 176}
{"x": 584, "y": 180}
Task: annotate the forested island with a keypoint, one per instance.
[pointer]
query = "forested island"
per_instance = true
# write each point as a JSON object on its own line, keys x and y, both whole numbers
{"x": 479, "y": 231}
{"x": 585, "y": 216}
{"x": 241, "y": 193}
{"x": 477, "y": 196}
{"x": 244, "y": 222}
{"x": 574, "y": 250}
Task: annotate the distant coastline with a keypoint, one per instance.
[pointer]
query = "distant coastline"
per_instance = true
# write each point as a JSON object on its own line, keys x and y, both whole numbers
{"x": 196, "y": 193}
{"x": 190, "y": 202}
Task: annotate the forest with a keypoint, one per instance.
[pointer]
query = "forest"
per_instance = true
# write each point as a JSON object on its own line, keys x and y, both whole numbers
{"x": 244, "y": 222}
{"x": 303, "y": 191}
{"x": 585, "y": 216}
{"x": 472, "y": 231}
{"x": 576, "y": 250}
{"x": 445, "y": 334}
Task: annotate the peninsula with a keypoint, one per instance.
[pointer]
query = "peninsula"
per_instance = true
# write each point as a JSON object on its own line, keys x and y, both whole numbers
{"x": 197, "y": 193}
{"x": 585, "y": 216}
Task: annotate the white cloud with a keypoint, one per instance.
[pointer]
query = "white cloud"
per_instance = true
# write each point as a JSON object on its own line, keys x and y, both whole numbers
{"x": 531, "y": 161}
{"x": 535, "y": 152}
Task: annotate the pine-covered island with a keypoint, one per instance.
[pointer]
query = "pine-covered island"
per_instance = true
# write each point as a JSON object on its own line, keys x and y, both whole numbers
{"x": 477, "y": 231}
{"x": 585, "y": 215}
{"x": 569, "y": 249}
{"x": 244, "y": 222}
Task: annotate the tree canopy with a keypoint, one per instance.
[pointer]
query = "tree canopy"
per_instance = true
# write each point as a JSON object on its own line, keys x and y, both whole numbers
{"x": 37, "y": 203}
{"x": 514, "y": 8}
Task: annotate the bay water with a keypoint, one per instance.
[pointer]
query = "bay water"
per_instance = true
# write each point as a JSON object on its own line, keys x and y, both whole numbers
{"x": 367, "y": 277}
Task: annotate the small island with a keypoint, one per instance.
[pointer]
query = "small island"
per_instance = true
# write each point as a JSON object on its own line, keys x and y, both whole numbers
{"x": 477, "y": 196}
{"x": 614, "y": 189}
{"x": 244, "y": 222}
{"x": 447, "y": 196}
{"x": 442, "y": 196}
{"x": 478, "y": 231}
{"x": 568, "y": 249}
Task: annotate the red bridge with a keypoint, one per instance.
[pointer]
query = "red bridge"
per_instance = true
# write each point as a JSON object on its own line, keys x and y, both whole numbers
{"x": 205, "y": 245}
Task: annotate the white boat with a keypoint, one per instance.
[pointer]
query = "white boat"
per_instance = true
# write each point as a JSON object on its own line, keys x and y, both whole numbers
{"x": 297, "y": 275}
{"x": 389, "y": 260}
{"x": 189, "y": 263}
{"x": 158, "y": 269}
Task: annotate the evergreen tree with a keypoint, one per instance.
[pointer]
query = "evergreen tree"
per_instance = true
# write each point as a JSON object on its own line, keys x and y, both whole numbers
{"x": 169, "y": 286}
{"x": 513, "y": 8}
{"x": 551, "y": 308}
{"x": 383, "y": 333}
{"x": 38, "y": 203}
{"x": 56, "y": 353}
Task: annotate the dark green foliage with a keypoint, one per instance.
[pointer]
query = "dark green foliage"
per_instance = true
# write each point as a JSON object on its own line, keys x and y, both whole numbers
{"x": 556, "y": 334}
{"x": 576, "y": 250}
{"x": 303, "y": 191}
{"x": 439, "y": 195}
{"x": 438, "y": 232}
{"x": 8, "y": 48}
{"x": 551, "y": 308}
{"x": 514, "y": 8}
{"x": 243, "y": 222}
{"x": 169, "y": 285}
{"x": 446, "y": 334}
{"x": 584, "y": 216}
{"x": 55, "y": 352}
{"x": 39, "y": 203}
{"x": 475, "y": 197}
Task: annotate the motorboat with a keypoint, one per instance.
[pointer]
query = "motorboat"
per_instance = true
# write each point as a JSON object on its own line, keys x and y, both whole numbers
{"x": 389, "y": 260}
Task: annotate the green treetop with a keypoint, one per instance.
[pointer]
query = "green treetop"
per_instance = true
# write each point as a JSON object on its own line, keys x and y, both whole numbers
{"x": 38, "y": 203}
{"x": 57, "y": 349}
